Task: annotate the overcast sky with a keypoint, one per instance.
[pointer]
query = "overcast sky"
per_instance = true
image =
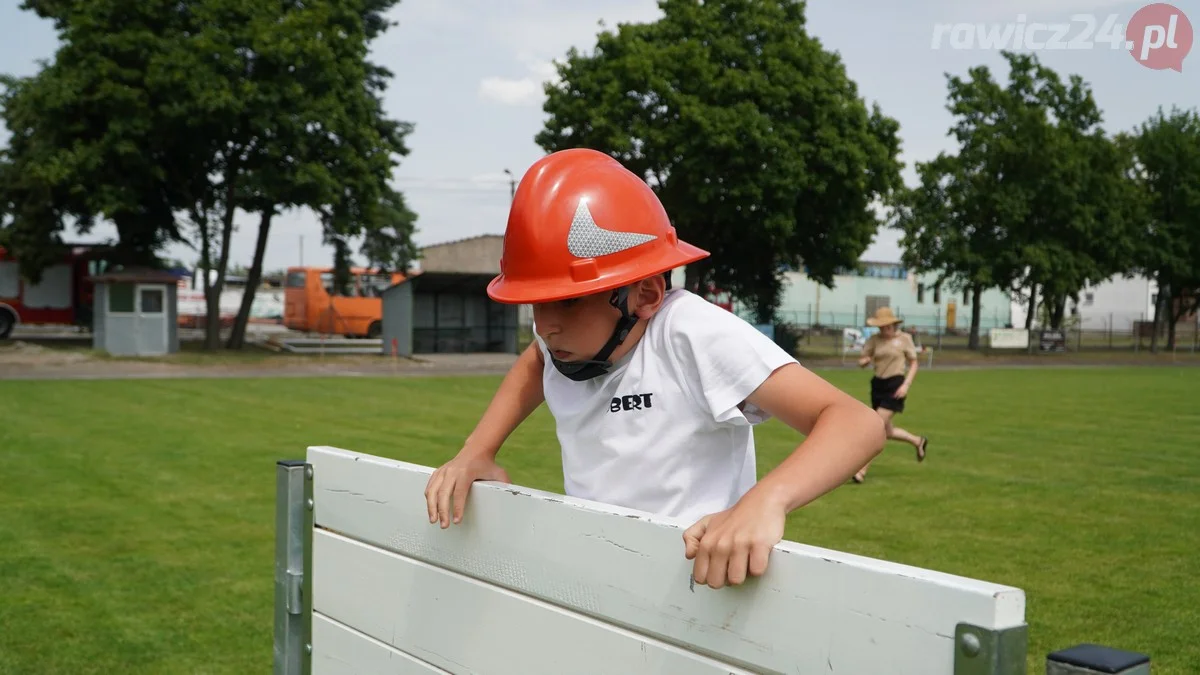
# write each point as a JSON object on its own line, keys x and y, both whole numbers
{"x": 475, "y": 96}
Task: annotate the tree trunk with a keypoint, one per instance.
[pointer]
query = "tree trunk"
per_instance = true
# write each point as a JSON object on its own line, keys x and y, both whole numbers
{"x": 976, "y": 295}
{"x": 1033, "y": 303}
{"x": 237, "y": 338}
{"x": 137, "y": 234}
{"x": 200, "y": 216}
{"x": 342, "y": 279}
{"x": 212, "y": 327}
{"x": 1162, "y": 302}
{"x": 1176, "y": 315}
{"x": 1059, "y": 309}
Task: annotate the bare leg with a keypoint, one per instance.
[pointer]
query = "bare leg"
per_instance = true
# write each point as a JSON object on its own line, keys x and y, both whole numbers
{"x": 887, "y": 420}
{"x": 893, "y": 433}
{"x": 898, "y": 434}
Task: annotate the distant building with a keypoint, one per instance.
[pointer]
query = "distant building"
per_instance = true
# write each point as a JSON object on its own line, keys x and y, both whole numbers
{"x": 857, "y": 293}
{"x": 444, "y": 306}
{"x": 135, "y": 313}
{"x": 449, "y": 309}
{"x": 1116, "y": 304}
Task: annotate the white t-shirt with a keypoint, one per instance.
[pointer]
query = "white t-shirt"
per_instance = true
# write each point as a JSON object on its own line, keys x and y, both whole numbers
{"x": 662, "y": 430}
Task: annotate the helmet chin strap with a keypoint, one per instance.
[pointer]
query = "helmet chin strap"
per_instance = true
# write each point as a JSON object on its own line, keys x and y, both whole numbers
{"x": 599, "y": 364}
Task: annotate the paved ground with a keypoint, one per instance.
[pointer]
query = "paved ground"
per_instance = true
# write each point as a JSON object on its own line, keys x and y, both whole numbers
{"x": 22, "y": 360}
{"x": 34, "y": 361}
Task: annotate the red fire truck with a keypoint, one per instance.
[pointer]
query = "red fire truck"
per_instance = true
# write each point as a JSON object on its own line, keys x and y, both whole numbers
{"x": 62, "y": 297}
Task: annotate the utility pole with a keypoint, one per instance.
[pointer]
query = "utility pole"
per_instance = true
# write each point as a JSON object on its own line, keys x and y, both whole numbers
{"x": 512, "y": 186}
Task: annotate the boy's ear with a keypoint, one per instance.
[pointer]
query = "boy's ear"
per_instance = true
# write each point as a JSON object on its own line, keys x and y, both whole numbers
{"x": 648, "y": 295}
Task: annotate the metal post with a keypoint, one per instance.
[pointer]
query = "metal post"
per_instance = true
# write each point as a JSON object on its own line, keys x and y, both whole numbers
{"x": 293, "y": 567}
{"x": 982, "y": 651}
{"x": 1087, "y": 659}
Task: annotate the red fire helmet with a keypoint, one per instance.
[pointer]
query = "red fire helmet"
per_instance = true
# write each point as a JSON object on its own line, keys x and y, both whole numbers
{"x": 582, "y": 223}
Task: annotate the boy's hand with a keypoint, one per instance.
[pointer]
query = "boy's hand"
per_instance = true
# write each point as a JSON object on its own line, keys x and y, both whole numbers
{"x": 726, "y": 545}
{"x": 450, "y": 483}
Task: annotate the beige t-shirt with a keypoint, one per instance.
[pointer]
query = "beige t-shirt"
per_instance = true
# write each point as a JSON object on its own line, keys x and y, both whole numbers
{"x": 890, "y": 356}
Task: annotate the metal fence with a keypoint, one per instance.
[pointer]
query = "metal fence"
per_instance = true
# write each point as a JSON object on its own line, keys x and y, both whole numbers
{"x": 827, "y": 338}
{"x": 821, "y": 333}
{"x": 813, "y": 316}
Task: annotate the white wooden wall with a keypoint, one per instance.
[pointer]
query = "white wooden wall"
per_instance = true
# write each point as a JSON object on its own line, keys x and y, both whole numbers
{"x": 536, "y": 583}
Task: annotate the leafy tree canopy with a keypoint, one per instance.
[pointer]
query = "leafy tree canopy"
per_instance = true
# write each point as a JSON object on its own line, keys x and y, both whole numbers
{"x": 751, "y": 133}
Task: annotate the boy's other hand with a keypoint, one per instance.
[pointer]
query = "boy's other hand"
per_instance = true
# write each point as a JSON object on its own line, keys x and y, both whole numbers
{"x": 449, "y": 484}
{"x": 729, "y": 544}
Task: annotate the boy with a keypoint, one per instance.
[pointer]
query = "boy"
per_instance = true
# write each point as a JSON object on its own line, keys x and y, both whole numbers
{"x": 654, "y": 392}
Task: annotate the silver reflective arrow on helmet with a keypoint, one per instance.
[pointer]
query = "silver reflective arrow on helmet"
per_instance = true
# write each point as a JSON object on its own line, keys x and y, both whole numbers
{"x": 587, "y": 240}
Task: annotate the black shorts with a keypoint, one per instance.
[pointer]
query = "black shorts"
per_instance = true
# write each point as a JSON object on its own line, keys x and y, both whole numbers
{"x": 883, "y": 393}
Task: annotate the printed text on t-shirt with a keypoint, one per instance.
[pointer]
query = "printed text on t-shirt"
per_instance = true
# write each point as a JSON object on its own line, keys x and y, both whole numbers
{"x": 634, "y": 402}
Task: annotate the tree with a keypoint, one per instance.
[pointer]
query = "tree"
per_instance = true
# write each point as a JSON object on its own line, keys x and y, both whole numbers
{"x": 83, "y": 148}
{"x": 31, "y": 204}
{"x": 1166, "y": 148}
{"x": 960, "y": 218}
{"x": 1083, "y": 219}
{"x": 308, "y": 119}
{"x": 200, "y": 109}
{"x": 1034, "y": 198}
{"x": 950, "y": 224}
{"x": 751, "y": 134}
{"x": 387, "y": 241}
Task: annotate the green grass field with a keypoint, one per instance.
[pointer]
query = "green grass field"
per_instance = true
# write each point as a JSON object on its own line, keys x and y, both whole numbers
{"x": 137, "y": 517}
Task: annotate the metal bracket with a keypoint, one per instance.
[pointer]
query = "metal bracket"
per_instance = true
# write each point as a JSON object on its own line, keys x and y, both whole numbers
{"x": 984, "y": 651}
{"x": 293, "y": 567}
{"x": 294, "y": 589}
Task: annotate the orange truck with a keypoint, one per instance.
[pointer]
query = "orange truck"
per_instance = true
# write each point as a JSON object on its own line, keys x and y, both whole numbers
{"x": 311, "y": 307}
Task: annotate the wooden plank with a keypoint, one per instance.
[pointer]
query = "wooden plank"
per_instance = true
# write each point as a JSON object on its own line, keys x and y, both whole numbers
{"x": 815, "y": 610}
{"x": 469, "y": 626}
{"x": 341, "y": 650}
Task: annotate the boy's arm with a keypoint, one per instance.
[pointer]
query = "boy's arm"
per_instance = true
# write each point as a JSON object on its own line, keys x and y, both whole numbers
{"x": 519, "y": 394}
{"x": 841, "y": 434}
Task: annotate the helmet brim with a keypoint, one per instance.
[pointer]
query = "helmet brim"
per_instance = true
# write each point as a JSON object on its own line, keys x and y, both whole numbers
{"x": 520, "y": 292}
